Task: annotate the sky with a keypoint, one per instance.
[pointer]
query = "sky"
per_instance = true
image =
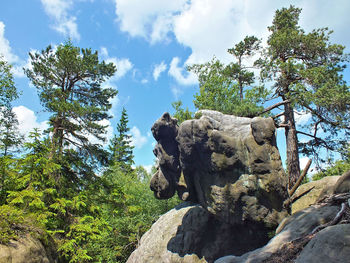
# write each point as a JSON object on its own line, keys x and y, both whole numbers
{"x": 151, "y": 42}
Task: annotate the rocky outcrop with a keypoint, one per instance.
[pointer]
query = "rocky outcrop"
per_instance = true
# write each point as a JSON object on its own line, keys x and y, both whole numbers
{"x": 27, "y": 249}
{"x": 190, "y": 234}
{"x": 307, "y": 194}
{"x": 229, "y": 171}
{"x": 293, "y": 228}
{"x": 230, "y": 166}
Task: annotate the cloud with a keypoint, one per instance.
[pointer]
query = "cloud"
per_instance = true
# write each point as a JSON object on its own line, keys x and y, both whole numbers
{"x": 158, "y": 69}
{"x": 64, "y": 23}
{"x": 210, "y": 27}
{"x": 137, "y": 139}
{"x": 148, "y": 168}
{"x": 302, "y": 117}
{"x": 150, "y": 19}
{"x": 177, "y": 73}
{"x": 5, "y": 48}
{"x": 104, "y": 52}
{"x": 123, "y": 66}
{"x": 28, "y": 120}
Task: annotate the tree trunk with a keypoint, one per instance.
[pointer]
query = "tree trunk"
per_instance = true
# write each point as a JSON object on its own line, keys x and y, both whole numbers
{"x": 293, "y": 165}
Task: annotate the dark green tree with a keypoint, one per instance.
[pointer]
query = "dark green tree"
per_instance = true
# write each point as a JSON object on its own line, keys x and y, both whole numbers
{"x": 307, "y": 73}
{"x": 120, "y": 147}
{"x": 9, "y": 135}
{"x": 181, "y": 114}
{"x": 229, "y": 88}
{"x": 69, "y": 83}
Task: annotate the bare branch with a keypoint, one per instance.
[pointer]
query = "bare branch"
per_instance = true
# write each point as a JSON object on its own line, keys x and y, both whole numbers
{"x": 274, "y": 106}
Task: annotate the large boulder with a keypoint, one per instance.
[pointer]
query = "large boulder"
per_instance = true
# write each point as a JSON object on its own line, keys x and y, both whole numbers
{"x": 331, "y": 245}
{"x": 190, "y": 234}
{"x": 310, "y": 192}
{"x": 230, "y": 166}
{"x": 292, "y": 228}
{"x": 27, "y": 249}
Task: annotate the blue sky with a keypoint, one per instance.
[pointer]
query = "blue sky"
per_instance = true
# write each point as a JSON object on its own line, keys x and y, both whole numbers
{"x": 151, "y": 42}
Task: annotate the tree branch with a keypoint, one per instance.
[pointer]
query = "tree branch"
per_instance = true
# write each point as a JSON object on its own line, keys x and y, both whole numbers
{"x": 274, "y": 106}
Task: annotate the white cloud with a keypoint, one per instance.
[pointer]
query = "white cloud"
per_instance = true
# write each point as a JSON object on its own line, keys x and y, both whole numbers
{"x": 150, "y": 19}
{"x": 176, "y": 91}
{"x": 210, "y": 27}
{"x": 302, "y": 117}
{"x": 28, "y": 120}
{"x": 137, "y": 139}
{"x": 158, "y": 69}
{"x": 64, "y": 23}
{"x": 123, "y": 66}
{"x": 5, "y": 48}
{"x": 178, "y": 73}
{"x": 104, "y": 52}
{"x": 148, "y": 168}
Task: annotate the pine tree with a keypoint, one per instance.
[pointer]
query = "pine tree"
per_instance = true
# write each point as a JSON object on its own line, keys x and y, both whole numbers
{"x": 121, "y": 150}
{"x": 10, "y": 138}
{"x": 69, "y": 83}
{"x": 307, "y": 71}
{"x": 229, "y": 88}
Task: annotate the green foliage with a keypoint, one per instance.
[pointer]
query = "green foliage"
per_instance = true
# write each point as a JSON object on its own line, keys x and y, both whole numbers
{"x": 120, "y": 147}
{"x": 9, "y": 136}
{"x": 130, "y": 209}
{"x": 8, "y": 91}
{"x": 181, "y": 114}
{"x": 69, "y": 83}
{"x": 228, "y": 88}
{"x": 307, "y": 70}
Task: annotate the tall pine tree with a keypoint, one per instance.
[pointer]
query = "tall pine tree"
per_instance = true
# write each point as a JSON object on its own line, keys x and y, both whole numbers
{"x": 121, "y": 150}
{"x": 307, "y": 73}
{"x": 69, "y": 83}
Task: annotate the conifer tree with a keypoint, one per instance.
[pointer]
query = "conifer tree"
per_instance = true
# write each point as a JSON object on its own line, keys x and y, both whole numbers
{"x": 307, "y": 71}
{"x": 229, "y": 88}
{"x": 69, "y": 83}
{"x": 9, "y": 136}
{"x": 120, "y": 146}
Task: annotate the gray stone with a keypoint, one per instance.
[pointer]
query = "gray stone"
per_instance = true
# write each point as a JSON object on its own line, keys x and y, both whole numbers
{"x": 230, "y": 165}
{"x": 331, "y": 245}
{"x": 190, "y": 234}
{"x": 26, "y": 249}
{"x": 343, "y": 184}
{"x": 314, "y": 190}
{"x": 294, "y": 227}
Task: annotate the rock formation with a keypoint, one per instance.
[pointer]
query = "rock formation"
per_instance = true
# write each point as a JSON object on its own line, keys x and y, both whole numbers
{"x": 28, "y": 249}
{"x": 229, "y": 171}
{"x": 230, "y": 166}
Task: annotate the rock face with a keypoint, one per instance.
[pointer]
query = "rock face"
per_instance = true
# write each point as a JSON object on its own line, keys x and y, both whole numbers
{"x": 292, "y": 228}
{"x": 230, "y": 166}
{"x": 26, "y": 250}
{"x": 313, "y": 191}
{"x": 229, "y": 170}
{"x": 190, "y": 234}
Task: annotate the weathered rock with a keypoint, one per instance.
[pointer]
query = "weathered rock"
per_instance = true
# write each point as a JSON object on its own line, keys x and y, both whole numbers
{"x": 26, "y": 249}
{"x": 231, "y": 166}
{"x": 343, "y": 184}
{"x": 296, "y": 226}
{"x": 331, "y": 245}
{"x": 190, "y": 234}
{"x": 314, "y": 190}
